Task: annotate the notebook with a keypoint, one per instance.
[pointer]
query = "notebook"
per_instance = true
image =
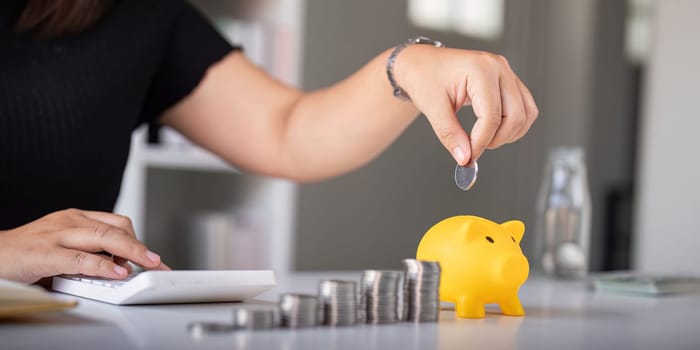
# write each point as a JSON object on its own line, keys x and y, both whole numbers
{"x": 646, "y": 284}
{"x": 17, "y": 299}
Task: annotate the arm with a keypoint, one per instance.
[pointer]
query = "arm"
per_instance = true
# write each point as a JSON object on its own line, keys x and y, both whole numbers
{"x": 263, "y": 126}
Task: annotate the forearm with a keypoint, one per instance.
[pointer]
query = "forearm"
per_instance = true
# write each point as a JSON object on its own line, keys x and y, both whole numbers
{"x": 340, "y": 128}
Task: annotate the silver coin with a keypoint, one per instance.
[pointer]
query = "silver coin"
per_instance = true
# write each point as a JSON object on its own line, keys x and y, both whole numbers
{"x": 421, "y": 294}
{"x": 415, "y": 267}
{"x": 299, "y": 310}
{"x": 465, "y": 176}
{"x": 379, "y": 300}
{"x": 338, "y": 301}
{"x": 255, "y": 318}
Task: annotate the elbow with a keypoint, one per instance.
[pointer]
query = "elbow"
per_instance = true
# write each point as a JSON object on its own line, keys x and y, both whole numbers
{"x": 312, "y": 172}
{"x": 306, "y": 178}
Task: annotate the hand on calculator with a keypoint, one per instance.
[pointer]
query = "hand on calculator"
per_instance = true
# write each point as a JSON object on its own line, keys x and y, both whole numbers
{"x": 71, "y": 242}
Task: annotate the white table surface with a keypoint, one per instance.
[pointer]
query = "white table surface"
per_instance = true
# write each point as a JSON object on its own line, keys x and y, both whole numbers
{"x": 560, "y": 315}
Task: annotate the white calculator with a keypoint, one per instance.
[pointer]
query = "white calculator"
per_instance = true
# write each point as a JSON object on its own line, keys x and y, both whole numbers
{"x": 168, "y": 287}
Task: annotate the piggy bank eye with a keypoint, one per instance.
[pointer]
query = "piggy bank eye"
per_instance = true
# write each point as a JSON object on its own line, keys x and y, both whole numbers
{"x": 488, "y": 238}
{"x": 511, "y": 237}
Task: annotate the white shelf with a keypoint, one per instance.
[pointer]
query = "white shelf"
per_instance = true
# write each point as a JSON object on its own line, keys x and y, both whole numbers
{"x": 184, "y": 158}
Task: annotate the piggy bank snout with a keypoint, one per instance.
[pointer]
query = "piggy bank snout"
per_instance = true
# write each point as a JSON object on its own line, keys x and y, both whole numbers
{"x": 515, "y": 270}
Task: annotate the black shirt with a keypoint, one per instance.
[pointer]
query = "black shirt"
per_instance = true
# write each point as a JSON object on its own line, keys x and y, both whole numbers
{"x": 68, "y": 105}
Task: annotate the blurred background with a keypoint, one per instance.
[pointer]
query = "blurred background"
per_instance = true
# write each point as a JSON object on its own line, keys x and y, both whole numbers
{"x": 615, "y": 77}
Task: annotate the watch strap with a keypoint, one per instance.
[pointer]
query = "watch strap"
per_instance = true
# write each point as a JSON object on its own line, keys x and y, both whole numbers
{"x": 398, "y": 91}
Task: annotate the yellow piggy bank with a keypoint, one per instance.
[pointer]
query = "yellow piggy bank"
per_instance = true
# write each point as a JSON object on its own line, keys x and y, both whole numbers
{"x": 481, "y": 263}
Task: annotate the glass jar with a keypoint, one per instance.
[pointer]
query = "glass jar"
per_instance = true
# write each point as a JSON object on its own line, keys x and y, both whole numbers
{"x": 564, "y": 215}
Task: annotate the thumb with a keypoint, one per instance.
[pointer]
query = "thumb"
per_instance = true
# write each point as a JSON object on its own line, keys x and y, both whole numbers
{"x": 443, "y": 120}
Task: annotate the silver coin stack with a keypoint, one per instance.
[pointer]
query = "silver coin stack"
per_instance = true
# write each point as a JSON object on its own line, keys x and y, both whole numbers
{"x": 338, "y": 302}
{"x": 421, "y": 293}
{"x": 299, "y": 310}
{"x": 380, "y": 296}
{"x": 255, "y": 318}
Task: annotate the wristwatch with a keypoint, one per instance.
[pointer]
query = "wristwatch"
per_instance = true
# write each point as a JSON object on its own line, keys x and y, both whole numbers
{"x": 398, "y": 91}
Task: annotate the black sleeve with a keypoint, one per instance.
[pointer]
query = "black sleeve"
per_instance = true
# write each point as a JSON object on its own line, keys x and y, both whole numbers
{"x": 193, "y": 46}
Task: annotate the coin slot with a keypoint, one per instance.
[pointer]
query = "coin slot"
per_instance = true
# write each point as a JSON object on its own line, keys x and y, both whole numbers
{"x": 488, "y": 238}
{"x": 511, "y": 237}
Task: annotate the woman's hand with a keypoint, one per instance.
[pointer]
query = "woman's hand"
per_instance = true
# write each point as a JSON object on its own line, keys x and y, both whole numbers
{"x": 442, "y": 80}
{"x": 73, "y": 242}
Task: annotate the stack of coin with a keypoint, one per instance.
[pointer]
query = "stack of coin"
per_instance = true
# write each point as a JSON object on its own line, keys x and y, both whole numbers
{"x": 380, "y": 296}
{"x": 255, "y": 318}
{"x": 421, "y": 292}
{"x": 338, "y": 302}
{"x": 299, "y": 310}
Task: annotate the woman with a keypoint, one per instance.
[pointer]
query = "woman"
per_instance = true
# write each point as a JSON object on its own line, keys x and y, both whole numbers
{"x": 77, "y": 76}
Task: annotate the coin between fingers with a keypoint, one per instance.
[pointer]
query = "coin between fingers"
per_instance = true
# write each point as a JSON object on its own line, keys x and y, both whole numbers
{"x": 465, "y": 176}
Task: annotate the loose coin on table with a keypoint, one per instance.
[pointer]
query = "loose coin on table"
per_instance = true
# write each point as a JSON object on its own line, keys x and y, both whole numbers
{"x": 244, "y": 318}
{"x": 201, "y": 329}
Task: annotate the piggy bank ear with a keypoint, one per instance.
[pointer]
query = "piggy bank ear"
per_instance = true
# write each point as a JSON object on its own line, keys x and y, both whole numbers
{"x": 515, "y": 228}
{"x": 472, "y": 229}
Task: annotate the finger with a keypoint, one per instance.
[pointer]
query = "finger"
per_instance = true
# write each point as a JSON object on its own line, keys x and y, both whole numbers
{"x": 117, "y": 260}
{"x": 164, "y": 267}
{"x": 485, "y": 94}
{"x": 161, "y": 267}
{"x": 531, "y": 110}
{"x": 513, "y": 118}
{"x": 443, "y": 120}
{"x": 123, "y": 263}
{"x": 95, "y": 236}
{"x": 120, "y": 221}
{"x": 71, "y": 261}
{"x": 123, "y": 222}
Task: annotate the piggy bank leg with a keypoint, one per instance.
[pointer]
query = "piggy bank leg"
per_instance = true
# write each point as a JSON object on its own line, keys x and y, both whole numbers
{"x": 470, "y": 307}
{"x": 512, "y": 307}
